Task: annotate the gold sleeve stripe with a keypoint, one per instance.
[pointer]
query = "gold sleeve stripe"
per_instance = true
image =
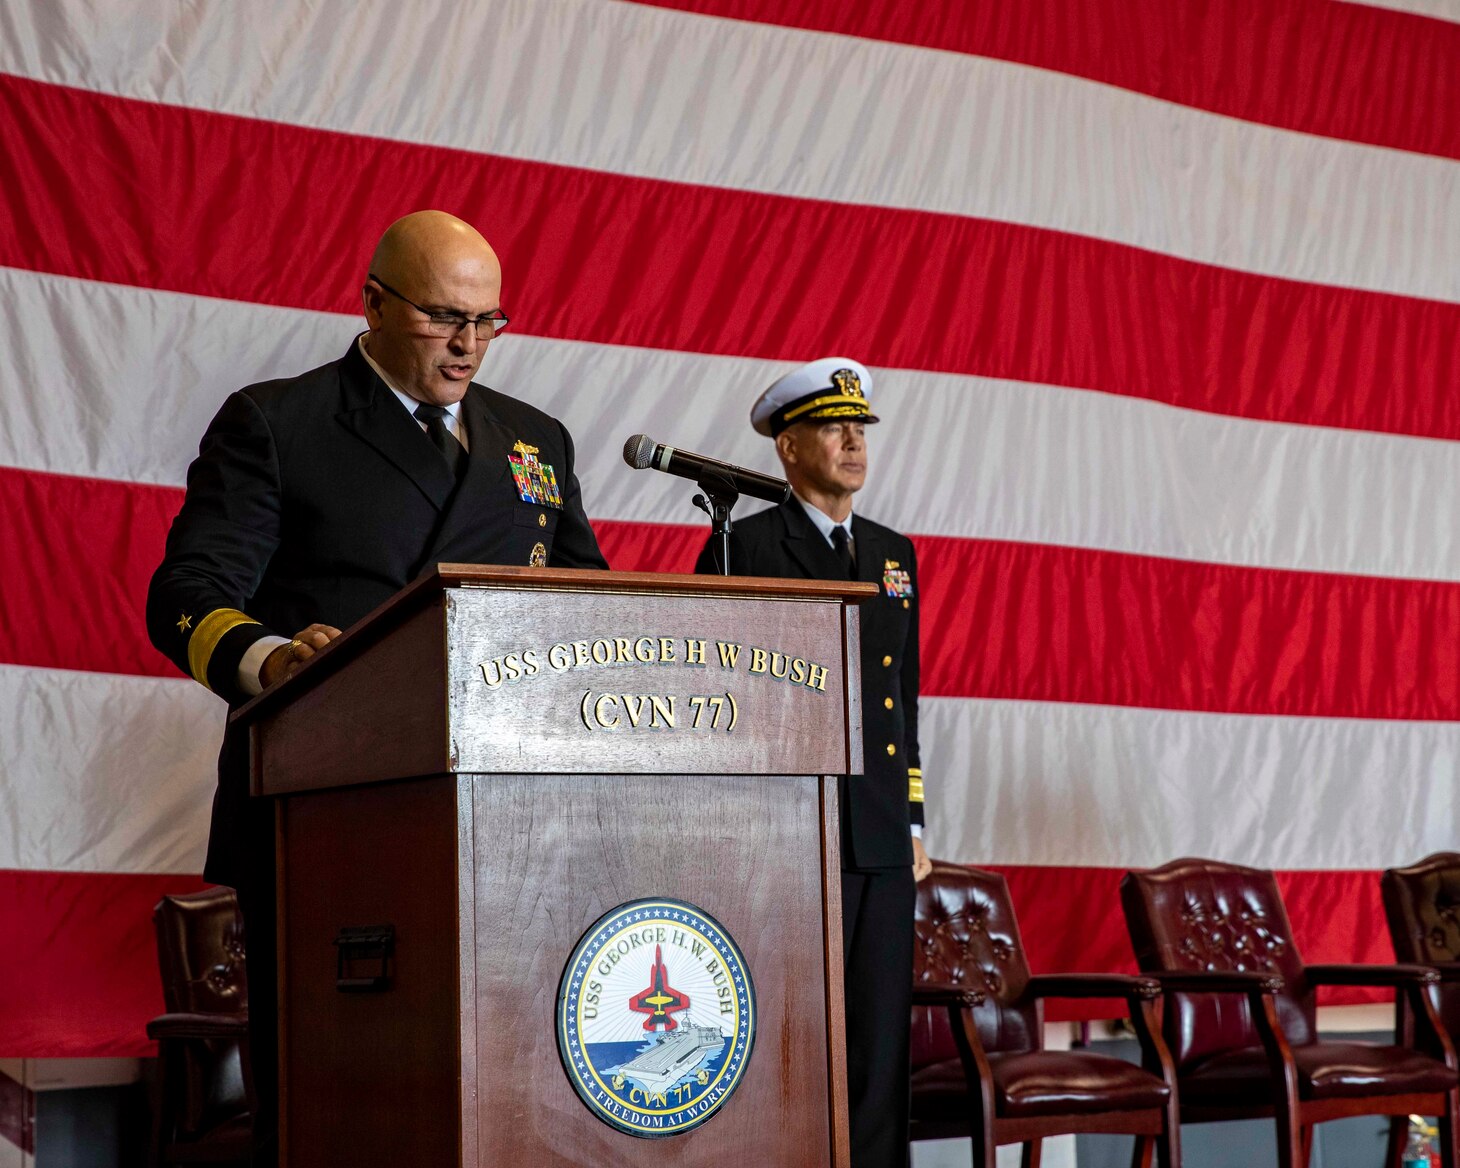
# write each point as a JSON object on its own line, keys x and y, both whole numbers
{"x": 915, "y": 786}
{"x": 206, "y": 636}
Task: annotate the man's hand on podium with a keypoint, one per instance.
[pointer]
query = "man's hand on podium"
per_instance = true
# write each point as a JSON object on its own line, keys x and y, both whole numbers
{"x": 286, "y": 659}
{"x": 921, "y": 864}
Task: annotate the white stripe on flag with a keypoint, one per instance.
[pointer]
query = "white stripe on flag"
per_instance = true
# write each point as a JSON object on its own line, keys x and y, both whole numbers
{"x": 748, "y": 106}
{"x": 116, "y": 774}
{"x": 956, "y": 456}
{"x": 101, "y": 773}
{"x": 1438, "y": 9}
{"x": 1012, "y": 782}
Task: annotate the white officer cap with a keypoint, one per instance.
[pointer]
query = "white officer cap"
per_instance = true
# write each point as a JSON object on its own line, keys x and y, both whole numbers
{"x": 833, "y": 388}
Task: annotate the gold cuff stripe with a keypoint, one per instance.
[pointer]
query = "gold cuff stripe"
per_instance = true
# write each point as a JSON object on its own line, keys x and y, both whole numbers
{"x": 914, "y": 789}
{"x": 829, "y": 400}
{"x": 206, "y": 636}
{"x": 914, "y": 772}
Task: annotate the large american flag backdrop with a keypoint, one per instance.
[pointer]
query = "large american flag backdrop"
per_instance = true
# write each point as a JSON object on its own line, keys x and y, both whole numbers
{"x": 1162, "y": 298}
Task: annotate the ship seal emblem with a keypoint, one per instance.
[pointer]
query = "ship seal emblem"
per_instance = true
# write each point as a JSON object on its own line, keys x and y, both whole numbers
{"x": 656, "y": 1017}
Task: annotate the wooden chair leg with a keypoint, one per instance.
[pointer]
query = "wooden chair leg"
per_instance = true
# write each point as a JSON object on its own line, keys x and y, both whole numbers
{"x": 1307, "y": 1146}
{"x": 1289, "y": 1140}
{"x": 985, "y": 1151}
{"x": 1033, "y": 1150}
{"x": 1398, "y": 1134}
{"x": 1168, "y": 1149}
{"x": 1450, "y": 1130}
{"x": 1141, "y": 1155}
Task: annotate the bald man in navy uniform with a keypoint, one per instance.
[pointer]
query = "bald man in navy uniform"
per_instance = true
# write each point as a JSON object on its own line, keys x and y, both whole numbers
{"x": 817, "y": 416}
{"x": 315, "y": 498}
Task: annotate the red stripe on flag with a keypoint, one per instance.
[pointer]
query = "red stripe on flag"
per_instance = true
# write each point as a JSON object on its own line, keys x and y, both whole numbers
{"x": 162, "y": 197}
{"x": 1039, "y": 623}
{"x": 86, "y": 982}
{"x": 1341, "y": 70}
{"x": 78, "y": 557}
{"x": 1012, "y": 620}
{"x": 1034, "y": 622}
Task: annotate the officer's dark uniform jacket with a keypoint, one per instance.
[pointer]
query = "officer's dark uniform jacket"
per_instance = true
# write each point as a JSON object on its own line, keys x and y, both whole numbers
{"x": 876, "y": 807}
{"x": 318, "y": 497}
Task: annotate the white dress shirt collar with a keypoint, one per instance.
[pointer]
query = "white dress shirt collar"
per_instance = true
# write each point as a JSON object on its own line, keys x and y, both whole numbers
{"x": 453, "y": 411}
{"x": 824, "y": 522}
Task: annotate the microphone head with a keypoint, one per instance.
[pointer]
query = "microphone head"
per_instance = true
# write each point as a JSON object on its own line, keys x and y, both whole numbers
{"x": 639, "y": 451}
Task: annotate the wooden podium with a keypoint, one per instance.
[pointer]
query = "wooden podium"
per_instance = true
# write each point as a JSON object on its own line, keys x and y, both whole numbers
{"x": 469, "y": 780}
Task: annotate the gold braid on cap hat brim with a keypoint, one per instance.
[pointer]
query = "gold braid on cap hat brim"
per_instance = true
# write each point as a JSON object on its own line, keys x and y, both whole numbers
{"x": 827, "y": 401}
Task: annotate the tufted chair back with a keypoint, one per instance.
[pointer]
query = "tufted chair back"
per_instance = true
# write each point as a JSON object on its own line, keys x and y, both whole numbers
{"x": 966, "y": 935}
{"x": 1422, "y": 903}
{"x": 200, "y": 952}
{"x": 1203, "y": 915}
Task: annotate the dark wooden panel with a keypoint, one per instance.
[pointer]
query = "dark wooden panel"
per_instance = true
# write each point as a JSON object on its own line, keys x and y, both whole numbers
{"x": 836, "y": 1023}
{"x": 382, "y": 718}
{"x": 590, "y": 669}
{"x": 553, "y": 853}
{"x": 371, "y": 1078}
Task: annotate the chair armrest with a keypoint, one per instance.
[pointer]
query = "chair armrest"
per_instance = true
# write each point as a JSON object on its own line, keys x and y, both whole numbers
{"x": 1448, "y": 970}
{"x": 1216, "y": 981}
{"x": 931, "y": 993}
{"x": 198, "y": 1026}
{"x": 1371, "y": 975}
{"x": 1093, "y": 985}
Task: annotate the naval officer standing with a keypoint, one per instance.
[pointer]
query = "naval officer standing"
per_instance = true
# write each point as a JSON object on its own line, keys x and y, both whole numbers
{"x": 817, "y": 416}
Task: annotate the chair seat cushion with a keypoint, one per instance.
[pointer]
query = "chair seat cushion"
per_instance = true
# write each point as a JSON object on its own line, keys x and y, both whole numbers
{"x": 1047, "y": 1082}
{"x": 1326, "y": 1070}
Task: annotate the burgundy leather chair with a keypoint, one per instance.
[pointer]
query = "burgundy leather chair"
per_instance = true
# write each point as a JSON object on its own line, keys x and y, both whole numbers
{"x": 1422, "y": 904}
{"x": 979, "y": 1067}
{"x": 1240, "y": 1012}
{"x": 203, "y": 1114}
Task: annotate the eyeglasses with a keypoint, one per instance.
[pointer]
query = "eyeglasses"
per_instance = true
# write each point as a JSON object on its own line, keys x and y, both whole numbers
{"x": 448, "y": 324}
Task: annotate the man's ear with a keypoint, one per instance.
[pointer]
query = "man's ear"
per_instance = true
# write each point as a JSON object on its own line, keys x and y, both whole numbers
{"x": 373, "y": 300}
{"x": 786, "y": 447}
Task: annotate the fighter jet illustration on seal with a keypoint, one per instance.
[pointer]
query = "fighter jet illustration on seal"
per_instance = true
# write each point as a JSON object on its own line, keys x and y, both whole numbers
{"x": 661, "y": 1000}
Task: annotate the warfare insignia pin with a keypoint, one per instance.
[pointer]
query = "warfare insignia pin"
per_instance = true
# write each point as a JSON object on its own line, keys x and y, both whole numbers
{"x": 538, "y": 559}
{"x": 847, "y": 383}
{"x": 536, "y": 481}
{"x": 656, "y": 1017}
{"x": 896, "y": 582}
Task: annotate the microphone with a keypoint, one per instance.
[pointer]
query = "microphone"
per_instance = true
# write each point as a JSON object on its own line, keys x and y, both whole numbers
{"x": 643, "y": 453}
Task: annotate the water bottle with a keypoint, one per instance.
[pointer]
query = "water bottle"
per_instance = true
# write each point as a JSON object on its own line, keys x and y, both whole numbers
{"x": 1419, "y": 1151}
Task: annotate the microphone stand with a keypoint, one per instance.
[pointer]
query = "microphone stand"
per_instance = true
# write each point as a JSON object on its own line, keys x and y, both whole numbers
{"x": 719, "y": 497}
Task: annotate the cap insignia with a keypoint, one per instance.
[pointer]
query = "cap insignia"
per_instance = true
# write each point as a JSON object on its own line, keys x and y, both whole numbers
{"x": 847, "y": 383}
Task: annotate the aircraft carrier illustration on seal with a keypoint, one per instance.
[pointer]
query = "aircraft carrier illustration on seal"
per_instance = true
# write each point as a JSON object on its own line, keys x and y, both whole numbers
{"x": 674, "y": 1057}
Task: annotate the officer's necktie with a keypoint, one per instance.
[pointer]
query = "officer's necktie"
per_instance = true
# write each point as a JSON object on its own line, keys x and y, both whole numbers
{"x": 443, "y": 439}
{"x": 842, "y": 544}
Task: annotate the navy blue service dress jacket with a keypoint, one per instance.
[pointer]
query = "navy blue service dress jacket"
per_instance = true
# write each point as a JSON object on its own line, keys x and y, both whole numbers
{"x": 877, "y": 807}
{"x": 318, "y": 497}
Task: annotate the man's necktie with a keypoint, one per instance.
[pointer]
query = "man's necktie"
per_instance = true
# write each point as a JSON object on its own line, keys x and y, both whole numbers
{"x": 841, "y": 543}
{"x": 443, "y": 439}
